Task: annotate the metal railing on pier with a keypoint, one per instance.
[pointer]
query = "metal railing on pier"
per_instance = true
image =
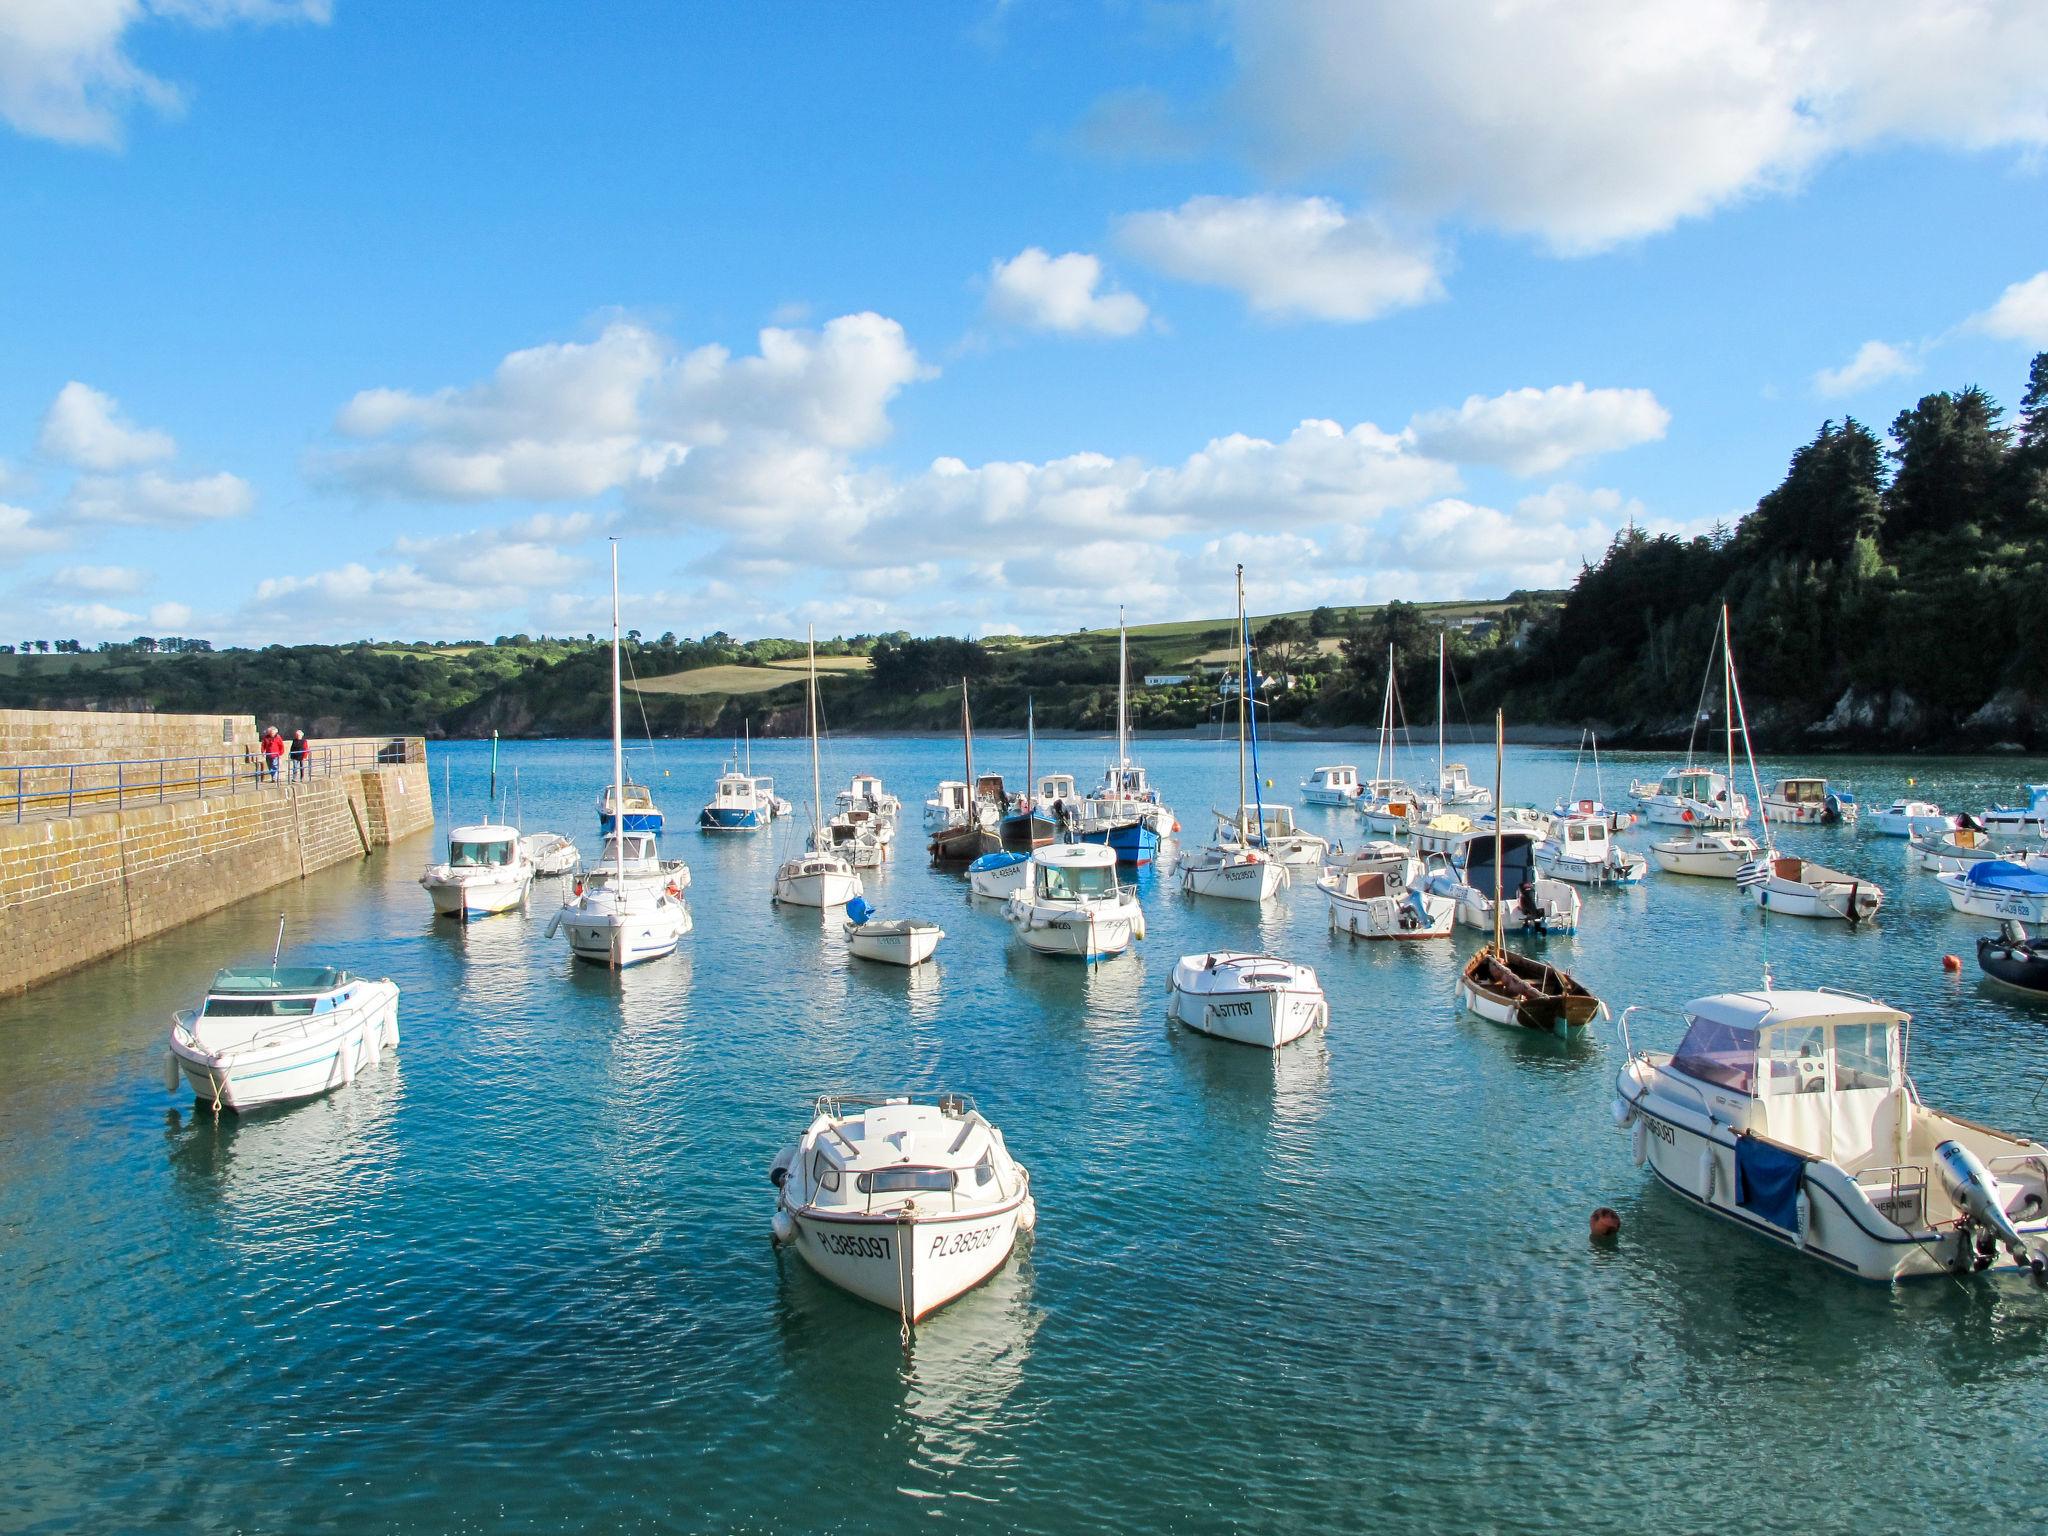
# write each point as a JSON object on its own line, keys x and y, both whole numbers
{"x": 72, "y": 789}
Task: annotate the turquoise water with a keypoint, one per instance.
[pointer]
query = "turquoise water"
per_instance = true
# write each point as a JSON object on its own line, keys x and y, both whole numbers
{"x": 519, "y": 1277}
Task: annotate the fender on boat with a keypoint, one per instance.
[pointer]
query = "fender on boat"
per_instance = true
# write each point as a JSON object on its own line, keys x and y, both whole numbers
{"x": 1639, "y": 1142}
{"x": 1710, "y": 1174}
{"x": 781, "y": 1228}
{"x": 172, "y": 1072}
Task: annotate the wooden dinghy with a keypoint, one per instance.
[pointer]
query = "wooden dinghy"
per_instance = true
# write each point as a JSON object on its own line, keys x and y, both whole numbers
{"x": 1516, "y": 990}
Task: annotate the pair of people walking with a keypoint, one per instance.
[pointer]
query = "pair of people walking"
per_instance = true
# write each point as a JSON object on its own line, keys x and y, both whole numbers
{"x": 277, "y": 751}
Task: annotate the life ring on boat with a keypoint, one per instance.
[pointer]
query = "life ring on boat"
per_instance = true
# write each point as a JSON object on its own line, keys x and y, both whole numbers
{"x": 675, "y": 890}
{"x": 578, "y": 890}
{"x": 1685, "y": 815}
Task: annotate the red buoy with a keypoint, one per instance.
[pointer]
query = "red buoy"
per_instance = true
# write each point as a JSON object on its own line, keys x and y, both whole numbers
{"x": 1951, "y": 963}
{"x": 1606, "y": 1224}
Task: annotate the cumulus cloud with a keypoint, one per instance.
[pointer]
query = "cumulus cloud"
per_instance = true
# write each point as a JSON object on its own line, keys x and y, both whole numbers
{"x": 1538, "y": 431}
{"x": 66, "y": 73}
{"x": 1061, "y": 293}
{"x": 1874, "y": 362}
{"x": 1590, "y": 122}
{"x": 22, "y": 536}
{"x": 152, "y": 499}
{"x": 100, "y": 578}
{"x": 2021, "y": 313}
{"x": 85, "y": 429}
{"x": 1289, "y": 257}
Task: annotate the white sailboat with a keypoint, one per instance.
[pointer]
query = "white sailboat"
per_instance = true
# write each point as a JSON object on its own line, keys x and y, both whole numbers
{"x": 816, "y": 877}
{"x": 629, "y": 908}
{"x": 1454, "y": 784}
{"x": 1391, "y": 806}
{"x": 1715, "y": 847}
{"x": 1125, "y": 812}
{"x": 1232, "y": 867}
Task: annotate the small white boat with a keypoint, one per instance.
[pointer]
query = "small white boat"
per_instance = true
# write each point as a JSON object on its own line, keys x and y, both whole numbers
{"x": 1232, "y": 873}
{"x": 1378, "y": 856}
{"x": 1336, "y": 784}
{"x": 1909, "y": 818}
{"x": 865, "y": 793}
{"x": 740, "y": 802}
{"x": 1998, "y": 888}
{"x": 862, "y": 838}
{"x": 551, "y": 854}
{"x": 1252, "y": 999}
{"x": 1368, "y": 905}
{"x": 1791, "y": 1115}
{"x": 1696, "y": 797}
{"x": 1957, "y": 849}
{"x": 1531, "y": 902}
{"x": 2031, "y": 817}
{"x": 1582, "y": 849}
{"x": 1271, "y": 830}
{"x": 948, "y": 806}
{"x": 1705, "y": 855}
{"x": 895, "y": 941}
{"x": 905, "y": 1204}
{"x": 1455, "y": 787}
{"x": 996, "y": 875}
{"x": 1809, "y": 802}
{"x": 486, "y": 871}
{"x": 817, "y": 877}
{"x": 271, "y": 1034}
{"x": 1795, "y": 887}
{"x": 1074, "y": 905}
{"x": 1392, "y": 808}
{"x": 1444, "y": 833}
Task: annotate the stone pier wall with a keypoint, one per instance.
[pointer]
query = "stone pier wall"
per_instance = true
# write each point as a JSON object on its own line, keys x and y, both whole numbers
{"x": 76, "y": 888}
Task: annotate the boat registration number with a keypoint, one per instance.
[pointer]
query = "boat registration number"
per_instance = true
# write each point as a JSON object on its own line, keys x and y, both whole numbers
{"x": 1661, "y": 1131}
{"x": 947, "y": 1244}
{"x": 1230, "y": 1010}
{"x": 855, "y": 1245}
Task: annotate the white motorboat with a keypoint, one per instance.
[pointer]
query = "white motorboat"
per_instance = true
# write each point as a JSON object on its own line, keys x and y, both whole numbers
{"x": 487, "y": 871}
{"x": 2031, "y": 817}
{"x": 1796, "y": 887}
{"x": 1074, "y": 904}
{"x": 1271, "y": 830}
{"x": 1378, "y": 856}
{"x": 1531, "y": 902}
{"x": 948, "y": 806}
{"x": 629, "y": 907}
{"x": 1909, "y": 818}
{"x": 1444, "y": 833}
{"x": 1392, "y": 808}
{"x": 740, "y": 802}
{"x": 271, "y": 1034}
{"x": 1531, "y": 819}
{"x": 1957, "y": 849}
{"x": 1231, "y": 873}
{"x": 1705, "y": 855}
{"x": 1367, "y": 904}
{"x": 1696, "y": 797}
{"x": 865, "y": 793}
{"x": 1809, "y": 802}
{"x": 906, "y": 1204}
{"x": 1252, "y": 999}
{"x": 996, "y": 875}
{"x": 862, "y": 838}
{"x": 551, "y": 854}
{"x": 1998, "y": 888}
{"x": 1336, "y": 784}
{"x": 1582, "y": 849}
{"x": 816, "y": 877}
{"x": 1791, "y": 1115}
{"x": 894, "y": 941}
{"x": 1455, "y": 787}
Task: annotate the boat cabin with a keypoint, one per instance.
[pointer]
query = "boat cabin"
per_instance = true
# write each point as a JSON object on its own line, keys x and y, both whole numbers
{"x": 276, "y": 992}
{"x": 989, "y": 787}
{"x": 1800, "y": 791}
{"x": 1821, "y": 1072}
{"x": 628, "y": 853}
{"x": 1456, "y": 779}
{"x": 1057, "y": 787}
{"x": 638, "y": 798}
{"x": 1583, "y": 839}
{"x": 1702, "y": 784}
{"x": 875, "y": 1155}
{"x": 1074, "y": 872}
{"x": 950, "y": 797}
{"x": 1124, "y": 781}
{"x": 483, "y": 847}
{"x": 737, "y": 789}
{"x": 1271, "y": 820}
{"x": 1338, "y": 777}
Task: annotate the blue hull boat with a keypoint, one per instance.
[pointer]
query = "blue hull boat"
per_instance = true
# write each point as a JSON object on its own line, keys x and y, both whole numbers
{"x": 1134, "y": 842}
{"x": 729, "y": 819}
{"x": 636, "y": 821}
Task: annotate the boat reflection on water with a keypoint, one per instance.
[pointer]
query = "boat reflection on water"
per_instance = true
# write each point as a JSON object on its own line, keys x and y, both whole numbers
{"x": 1282, "y": 1090}
{"x": 919, "y": 989}
{"x": 948, "y": 1394}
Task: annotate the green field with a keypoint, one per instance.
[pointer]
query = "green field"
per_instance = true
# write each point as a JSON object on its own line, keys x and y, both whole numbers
{"x": 724, "y": 680}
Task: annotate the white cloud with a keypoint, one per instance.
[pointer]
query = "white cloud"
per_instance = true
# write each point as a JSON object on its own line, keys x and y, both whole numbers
{"x": 2021, "y": 313}
{"x": 94, "y": 618}
{"x": 830, "y": 387}
{"x": 1874, "y": 362}
{"x": 524, "y": 556}
{"x": 84, "y": 429}
{"x": 1061, "y": 293}
{"x": 152, "y": 499}
{"x": 22, "y": 536}
{"x": 1537, "y": 431}
{"x": 169, "y": 616}
{"x": 65, "y": 72}
{"x": 100, "y": 578}
{"x": 1289, "y": 257}
{"x": 1589, "y": 122}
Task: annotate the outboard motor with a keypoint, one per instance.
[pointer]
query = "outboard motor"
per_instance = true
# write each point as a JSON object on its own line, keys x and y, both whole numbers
{"x": 1831, "y": 811}
{"x": 1974, "y": 1190}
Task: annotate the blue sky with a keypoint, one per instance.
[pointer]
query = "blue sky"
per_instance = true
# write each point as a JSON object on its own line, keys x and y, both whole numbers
{"x": 374, "y": 319}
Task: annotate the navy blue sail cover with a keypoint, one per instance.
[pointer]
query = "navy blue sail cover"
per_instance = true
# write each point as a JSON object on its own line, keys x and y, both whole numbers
{"x": 2004, "y": 875}
{"x": 1767, "y": 1181}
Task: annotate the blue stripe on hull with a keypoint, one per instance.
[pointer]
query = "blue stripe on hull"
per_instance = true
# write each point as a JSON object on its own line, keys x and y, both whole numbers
{"x": 727, "y": 820}
{"x": 636, "y": 821}
{"x": 1135, "y": 844}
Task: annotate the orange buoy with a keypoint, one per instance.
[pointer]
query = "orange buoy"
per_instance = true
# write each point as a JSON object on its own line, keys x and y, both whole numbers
{"x": 1606, "y": 1224}
{"x": 1951, "y": 963}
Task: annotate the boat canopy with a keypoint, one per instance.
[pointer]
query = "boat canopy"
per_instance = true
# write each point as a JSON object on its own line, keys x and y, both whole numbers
{"x": 1075, "y": 872}
{"x": 1517, "y": 860}
{"x": 1055, "y": 786}
{"x": 2004, "y": 875}
{"x": 250, "y": 980}
{"x": 482, "y": 847}
{"x": 1803, "y": 791}
{"x": 637, "y": 797}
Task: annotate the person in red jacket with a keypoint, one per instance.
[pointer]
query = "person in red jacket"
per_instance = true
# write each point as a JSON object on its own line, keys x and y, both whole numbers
{"x": 273, "y": 750}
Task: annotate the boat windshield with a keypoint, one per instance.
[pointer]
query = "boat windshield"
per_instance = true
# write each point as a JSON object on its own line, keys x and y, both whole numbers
{"x": 1076, "y": 882}
{"x": 1715, "y": 1052}
{"x": 1804, "y": 791}
{"x": 464, "y": 854}
{"x": 262, "y": 980}
{"x": 899, "y": 1181}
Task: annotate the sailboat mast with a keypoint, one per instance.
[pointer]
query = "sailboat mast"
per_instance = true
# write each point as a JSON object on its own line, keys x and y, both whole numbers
{"x": 1440, "y": 711}
{"x": 1030, "y": 748}
{"x": 618, "y": 721}
{"x": 1499, "y": 752}
{"x": 1244, "y": 667}
{"x": 967, "y": 741}
{"x": 747, "y": 725}
{"x": 817, "y": 784}
{"x": 1123, "y": 673}
{"x": 1728, "y": 707}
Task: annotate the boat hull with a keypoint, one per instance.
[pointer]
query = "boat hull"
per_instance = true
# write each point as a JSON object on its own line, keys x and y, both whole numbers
{"x": 727, "y": 818}
{"x": 1134, "y": 842}
{"x": 1618, "y": 870}
{"x": 912, "y": 1267}
{"x": 301, "y": 1068}
{"x": 1235, "y": 882}
{"x": 636, "y": 821}
{"x": 1560, "y": 1015}
{"x": 616, "y": 940}
{"x": 2014, "y": 965}
{"x": 1084, "y": 936}
{"x": 468, "y": 897}
{"x": 1700, "y": 864}
{"x": 913, "y": 946}
{"x": 827, "y": 889}
{"x": 1004, "y": 874}
{"x": 1988, "y": 901}
{"x": 1265, "y": 1016}
{"x": 1851, "y": 902}
{"x": 1391, "y": 917}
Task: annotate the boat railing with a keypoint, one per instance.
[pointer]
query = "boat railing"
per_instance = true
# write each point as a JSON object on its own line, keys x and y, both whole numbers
{"x": 1898, "y": 1194}
{"x": 300, "y": 1024}
{"x": 71, "y": 789}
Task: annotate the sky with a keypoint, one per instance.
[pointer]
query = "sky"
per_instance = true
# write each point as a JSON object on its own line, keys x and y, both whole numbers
{"x": 337, "y": 319}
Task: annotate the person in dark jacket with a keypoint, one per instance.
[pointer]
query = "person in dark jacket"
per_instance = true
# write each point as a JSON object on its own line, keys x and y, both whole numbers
{"x": 302, "y": 755}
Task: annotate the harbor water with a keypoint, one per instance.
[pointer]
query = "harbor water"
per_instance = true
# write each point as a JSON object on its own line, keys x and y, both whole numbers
{"x": 518, "y": 1277}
